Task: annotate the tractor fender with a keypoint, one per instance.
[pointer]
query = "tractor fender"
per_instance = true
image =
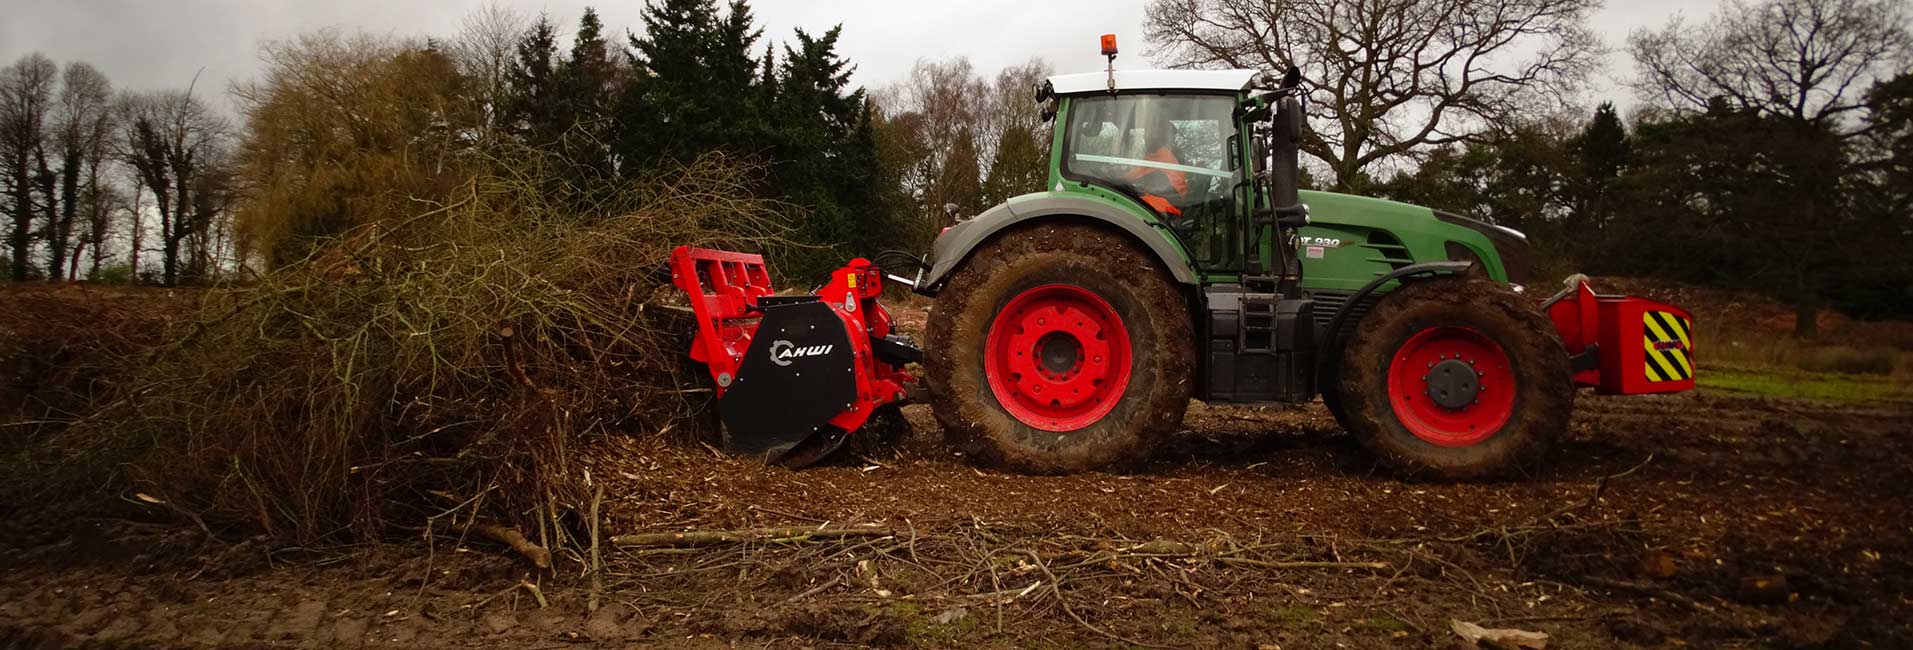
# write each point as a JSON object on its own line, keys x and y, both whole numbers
{"x": 1333, "y": 338}
{"x": 954, "y": 245}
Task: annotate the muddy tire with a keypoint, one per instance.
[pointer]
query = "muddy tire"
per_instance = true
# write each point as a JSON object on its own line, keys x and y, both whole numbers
{"x": 1332, "y": 398}
{"x": 1456, "y": 378}
{"x": 1059, "y": 348}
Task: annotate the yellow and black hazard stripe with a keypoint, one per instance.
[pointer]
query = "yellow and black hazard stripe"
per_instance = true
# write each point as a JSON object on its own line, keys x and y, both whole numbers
{"x": 1670, "y": 347}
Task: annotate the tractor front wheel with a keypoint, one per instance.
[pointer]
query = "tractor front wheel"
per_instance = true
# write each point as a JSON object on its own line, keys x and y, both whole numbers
{"x": 1059, "y": 348}
{"x": 1455, "y": 377}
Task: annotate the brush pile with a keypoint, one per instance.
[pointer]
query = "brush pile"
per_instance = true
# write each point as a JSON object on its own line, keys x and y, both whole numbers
{"x": 431, "y": 370}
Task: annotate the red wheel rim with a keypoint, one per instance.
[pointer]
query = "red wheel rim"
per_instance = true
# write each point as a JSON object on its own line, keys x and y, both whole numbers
{"x": 1428, "y": 386}
{"x": 1057, "y": 357}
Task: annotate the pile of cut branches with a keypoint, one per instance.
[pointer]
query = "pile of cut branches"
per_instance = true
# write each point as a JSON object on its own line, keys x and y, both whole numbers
{"x": 430, "y": 370}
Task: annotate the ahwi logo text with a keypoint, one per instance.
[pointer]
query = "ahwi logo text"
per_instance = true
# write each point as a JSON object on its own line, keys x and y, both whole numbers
{"x": 782, "y": 352}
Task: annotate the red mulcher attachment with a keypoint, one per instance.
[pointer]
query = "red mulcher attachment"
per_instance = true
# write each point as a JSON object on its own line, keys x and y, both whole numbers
{"x": 1623, "y": 345}
{"x": 796, "y": 375}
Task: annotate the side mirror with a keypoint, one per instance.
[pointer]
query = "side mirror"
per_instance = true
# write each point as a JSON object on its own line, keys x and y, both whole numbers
{"x": 1044, "y": 90}
{"x": 1292, "y": 78}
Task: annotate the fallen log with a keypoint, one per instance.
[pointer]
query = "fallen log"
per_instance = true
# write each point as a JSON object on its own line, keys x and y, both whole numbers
{"x": 516, "y": 540}
{"x": 691, "y": 538}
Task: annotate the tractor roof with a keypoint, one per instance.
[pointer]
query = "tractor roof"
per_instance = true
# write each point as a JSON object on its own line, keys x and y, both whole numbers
{"x": 1096, "y": 82}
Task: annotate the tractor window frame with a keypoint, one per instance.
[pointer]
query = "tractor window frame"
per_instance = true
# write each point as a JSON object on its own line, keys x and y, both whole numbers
{"x": 1214, "y": 238}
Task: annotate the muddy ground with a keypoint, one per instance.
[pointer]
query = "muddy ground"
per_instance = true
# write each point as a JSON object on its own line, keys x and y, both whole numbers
{"x": 1698, "y": 520}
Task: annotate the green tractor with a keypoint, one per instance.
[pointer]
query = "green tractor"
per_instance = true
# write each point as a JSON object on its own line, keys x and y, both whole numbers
{"x": 1173, "y": 256}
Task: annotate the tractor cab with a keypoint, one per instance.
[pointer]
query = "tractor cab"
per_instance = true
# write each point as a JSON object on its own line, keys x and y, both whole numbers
{"x": 1185, "y": 149}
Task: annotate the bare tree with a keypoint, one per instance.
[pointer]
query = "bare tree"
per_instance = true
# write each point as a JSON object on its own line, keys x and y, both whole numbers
{"x": 178, "y": 148}
{"x": 127, "y": 109}
{"x": 1391, "y": 78}
{"x": 483, "y": 50}
{"x": 1809, "y": 61}
{"x": 1012, "y": 103}
{"x": 26, "y": 98}
{"x": 944, "y": 95}
{"x": 933, "y": 117}
{"x": 104, "y": 202}
{"x": 944, "y": 123}
{"x": 82, "y": 121}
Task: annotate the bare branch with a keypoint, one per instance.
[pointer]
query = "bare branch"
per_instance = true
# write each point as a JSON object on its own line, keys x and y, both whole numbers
{"x": 1391, "y": 77}
{"x": 1803, "y": 60}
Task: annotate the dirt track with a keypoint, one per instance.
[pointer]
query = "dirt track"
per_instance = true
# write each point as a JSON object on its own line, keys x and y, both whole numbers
{"x": 1702, "y": 519}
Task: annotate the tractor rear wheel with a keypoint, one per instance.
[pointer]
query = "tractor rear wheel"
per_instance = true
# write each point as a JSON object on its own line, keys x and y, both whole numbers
{"x": 1455, "y": 377}
{"x": 1059, "y": 348}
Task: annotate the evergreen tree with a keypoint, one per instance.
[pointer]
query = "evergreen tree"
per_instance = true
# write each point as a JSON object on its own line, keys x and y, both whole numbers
{"x": 584, "y": 83}
{"x": 1603, "y": 148}
{"x": 764, "y": 97}
{"x": 1725, "y": 197}
{"x": 880, "y": 203}
{"x": 669, "y": 112}
{"x": 826, "y": 154}
{"x": 1881, "y": 197}
{"x": 1604, "y": 145}
{"x": 532, "y": 105}
{"x": 742, "y": 125}
{"x": 1018, "y": 167}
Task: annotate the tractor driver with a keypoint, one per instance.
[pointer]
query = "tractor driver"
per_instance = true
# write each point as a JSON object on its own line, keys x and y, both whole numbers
{"x": 1157, "y": 138}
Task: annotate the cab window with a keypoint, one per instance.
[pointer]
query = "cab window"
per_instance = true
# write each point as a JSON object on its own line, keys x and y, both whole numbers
{"x": 1172, "y": 153}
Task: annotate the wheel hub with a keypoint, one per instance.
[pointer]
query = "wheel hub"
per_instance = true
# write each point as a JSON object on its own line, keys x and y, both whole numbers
{"x": 1452, "y": 384}
{"x": 1061, "y": 353}
{"x": 1057, "y": 357}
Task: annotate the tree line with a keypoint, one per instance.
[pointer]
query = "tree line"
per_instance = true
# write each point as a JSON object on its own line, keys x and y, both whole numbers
{"x": 1769, "y": 147}
{"x": 347, "y": 129}
{"x": 343, "y": 129}
{"x": 86, "y": 167}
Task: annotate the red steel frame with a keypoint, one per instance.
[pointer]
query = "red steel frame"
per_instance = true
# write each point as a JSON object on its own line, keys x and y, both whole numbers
{"x": 724, "y": 287}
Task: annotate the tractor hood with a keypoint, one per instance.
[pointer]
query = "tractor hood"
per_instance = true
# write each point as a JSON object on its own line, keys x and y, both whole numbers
{"x": 1399, "y": 233}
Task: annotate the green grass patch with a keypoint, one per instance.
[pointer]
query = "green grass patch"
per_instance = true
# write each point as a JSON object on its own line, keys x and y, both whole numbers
{"x": 1383, "y": 624}
{"x": 1297, "y": 617}
{"x": 1814, "y": 386}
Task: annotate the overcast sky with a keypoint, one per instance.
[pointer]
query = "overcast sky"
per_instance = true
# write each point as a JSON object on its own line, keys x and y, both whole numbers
{"x": 150, "y": 44}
